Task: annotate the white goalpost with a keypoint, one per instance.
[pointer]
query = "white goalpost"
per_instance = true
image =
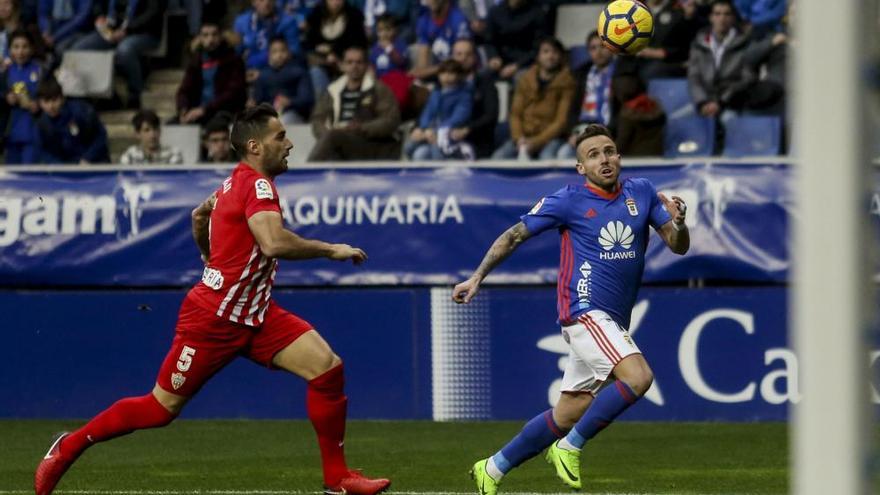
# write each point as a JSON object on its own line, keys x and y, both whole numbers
{"x": 832, "y": 304}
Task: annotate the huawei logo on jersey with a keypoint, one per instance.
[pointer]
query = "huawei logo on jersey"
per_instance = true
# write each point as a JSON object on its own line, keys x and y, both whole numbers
{"x": 616, "y": 233}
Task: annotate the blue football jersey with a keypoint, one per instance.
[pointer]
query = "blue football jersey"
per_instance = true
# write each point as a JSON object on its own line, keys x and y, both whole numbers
{"x": 603, "y": 241}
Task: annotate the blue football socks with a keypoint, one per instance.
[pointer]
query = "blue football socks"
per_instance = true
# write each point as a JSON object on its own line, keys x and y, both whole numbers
{"x": 608, "y": 404}
{"x": 535, "y": 436}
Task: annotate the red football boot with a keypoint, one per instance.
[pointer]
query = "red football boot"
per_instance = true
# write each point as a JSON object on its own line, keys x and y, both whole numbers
{"x": 357, "y": 484}
{"x": 51, "y": 468}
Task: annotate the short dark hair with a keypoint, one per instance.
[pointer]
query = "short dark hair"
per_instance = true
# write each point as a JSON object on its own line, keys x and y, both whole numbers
{"x": 49, "y": 89}
{"x": 593, "y": 34}
{"x": 211, "y": 22}
{"x": 250, "y": 124}
{"x": 387, "y": 19}
{"x": 592, "y": 130}
{"x": 21, "y": 33}
{"x": 145, "y": 116}
{"x": 552, "y": 41}
{"x": 450, "y": 65}
{"x": 216, "y": 124}
{"x": 361, "y": 48}
{"x": 279, "y": 39}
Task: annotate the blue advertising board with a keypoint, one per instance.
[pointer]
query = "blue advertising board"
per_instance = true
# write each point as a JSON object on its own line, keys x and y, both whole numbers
{"x": 717, "y": 353}
{"x": 420, "y": 226}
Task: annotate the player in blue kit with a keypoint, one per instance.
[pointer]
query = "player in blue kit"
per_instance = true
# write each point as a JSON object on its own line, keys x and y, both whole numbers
{"x": 603, "y": 225}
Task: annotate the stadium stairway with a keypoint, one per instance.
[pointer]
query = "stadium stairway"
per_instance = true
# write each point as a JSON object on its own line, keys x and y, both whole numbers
{"x": 159, "y": 96}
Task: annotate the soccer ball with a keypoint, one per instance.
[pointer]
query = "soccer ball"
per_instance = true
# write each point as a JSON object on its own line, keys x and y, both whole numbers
{"x": 625, "y": 26}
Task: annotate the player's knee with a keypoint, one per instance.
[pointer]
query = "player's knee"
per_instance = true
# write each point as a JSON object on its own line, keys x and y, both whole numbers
{"x": 641, "y": 381}
{"x": 570, "y": 408}
{"x": 171, "y": 402}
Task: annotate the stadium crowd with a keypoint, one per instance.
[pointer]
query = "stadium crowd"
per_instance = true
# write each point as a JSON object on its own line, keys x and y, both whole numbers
{"x": 385, "y": 79}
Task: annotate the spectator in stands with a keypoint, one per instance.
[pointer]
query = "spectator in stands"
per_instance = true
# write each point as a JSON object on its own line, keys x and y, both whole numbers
{"x": 675, "y": 26}
{"x": 69, "y": 131}
{"x": 404, "y": 12}
{"x": 512, "y": 29}
{"x": 356, "y": 117}
{"x": 761, "y": 17}
{"x": 216, "y": 147}
{"x": 299, "y": 9}
{"x": 479, "y": 131}
{"x": 715, "y": 68}
{"x": 332, "y": 27}
{"x": 389, "y": 53}
{"x": 10, "y": 22}
{"x": 63, "y": 22}
{"x": 256, "y": 26}
{"x": 448, "y": 107}
{"x": 765, "y": 63}
{"x": 390, "y": 61}
{"x": 20, "y": 88}
{"x": 437, "y": 30}
{"x": 285, "y": 85}
{"x": 213, "y": 81}
{"x": 477, "y": 13}
{"x": 593, "y": 101}
{"x": 130, "y": 28}
{"x": 541, "y": 102}
{"x": 640, "y": 121}
{"x": 149, "y": 149}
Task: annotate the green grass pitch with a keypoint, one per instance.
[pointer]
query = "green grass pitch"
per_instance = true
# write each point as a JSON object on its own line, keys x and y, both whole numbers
{"x": 252, "y": 457}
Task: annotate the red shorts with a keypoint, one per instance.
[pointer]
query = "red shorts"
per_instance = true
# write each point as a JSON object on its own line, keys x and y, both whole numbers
{"x": 204, "y": 343}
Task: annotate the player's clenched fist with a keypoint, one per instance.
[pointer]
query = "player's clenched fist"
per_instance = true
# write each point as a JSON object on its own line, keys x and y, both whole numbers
{"x": 676, "y": 207}
{"x": 343, "y": 252}
{"x": 465, "y": 291}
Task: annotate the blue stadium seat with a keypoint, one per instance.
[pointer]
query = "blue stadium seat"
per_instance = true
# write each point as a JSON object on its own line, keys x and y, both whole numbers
{"x": 753, "y": 136}
{"x": 578, "y": 56}
{"x": 689, "y": 136}
{"x": 673, "y": 96}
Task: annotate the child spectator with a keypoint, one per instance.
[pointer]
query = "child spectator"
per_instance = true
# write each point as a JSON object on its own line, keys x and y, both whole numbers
{"x": 389, "y": 52}
{"x": 12, "y": 20}
{"x": 389, "y": 60}
{"x": 149, "y": 149}
{"x": 285, "y": 85}
{"x": 448, "y": 107}
{"x": 256, "y": 27}
{"x": 216, "y": 146}
{"x": 20, "y": 88}
{"x": 69, "y": 131}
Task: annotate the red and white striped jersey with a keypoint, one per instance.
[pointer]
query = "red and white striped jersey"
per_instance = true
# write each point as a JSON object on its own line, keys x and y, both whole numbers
{"x": 237, "y": 281}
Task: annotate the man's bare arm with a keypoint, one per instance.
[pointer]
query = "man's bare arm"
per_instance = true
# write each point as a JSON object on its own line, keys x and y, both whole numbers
{"x": 503, "y": 246}
{"x": 201, "y": 220}
{"x": 277, "y": 242}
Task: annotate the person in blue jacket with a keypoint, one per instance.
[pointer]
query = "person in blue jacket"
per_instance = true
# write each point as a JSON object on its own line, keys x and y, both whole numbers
{"x": 285, "y": 85}
{"x": 63, "y": 22}
{"x": 68, "y": 131}
{"x": 449, "y": 106}
{"x": 764, "y": 16}
{"x": 257, "y": 27}
{"x": 19, "y": 85}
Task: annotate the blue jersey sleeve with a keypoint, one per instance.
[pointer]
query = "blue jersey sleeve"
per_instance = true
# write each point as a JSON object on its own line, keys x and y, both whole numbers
{"x": 659, "y": 215}
{"x": 548, "y": 213}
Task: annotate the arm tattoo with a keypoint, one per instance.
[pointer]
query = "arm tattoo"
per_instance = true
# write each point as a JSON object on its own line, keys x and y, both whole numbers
{"x": 505, "y": 244}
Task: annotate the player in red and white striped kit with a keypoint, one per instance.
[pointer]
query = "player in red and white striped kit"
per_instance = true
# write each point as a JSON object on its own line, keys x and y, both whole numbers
{"x": 230, "y": 312}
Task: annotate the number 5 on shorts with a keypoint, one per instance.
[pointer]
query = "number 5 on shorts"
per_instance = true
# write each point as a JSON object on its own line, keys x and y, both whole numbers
{"x": 186, "y": 358}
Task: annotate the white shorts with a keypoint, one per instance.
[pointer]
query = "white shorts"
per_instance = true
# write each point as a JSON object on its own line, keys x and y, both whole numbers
{"x": 596, "y": 344}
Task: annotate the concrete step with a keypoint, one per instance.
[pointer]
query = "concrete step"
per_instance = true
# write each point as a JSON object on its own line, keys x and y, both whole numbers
{"x": 166, "y": 76}
{"x": 161, "y": 104}
{"x": 167, "y": 89}
{"x": 117, "y": 117}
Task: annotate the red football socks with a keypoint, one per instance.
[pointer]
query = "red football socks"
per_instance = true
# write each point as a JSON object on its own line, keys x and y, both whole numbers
{"x": 326, "y": 405}
{"x": 122, "y": 418}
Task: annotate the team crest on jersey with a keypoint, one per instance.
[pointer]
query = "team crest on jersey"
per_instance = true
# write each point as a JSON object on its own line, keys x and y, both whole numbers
{"x": 177, "y": 380}
{"x": 631, "y": 206}
{"x": 591, "y": 213}
{"x": 537, "y": 207}
{"x": 264, "y": 189}
{"x": 227, "y": 185}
